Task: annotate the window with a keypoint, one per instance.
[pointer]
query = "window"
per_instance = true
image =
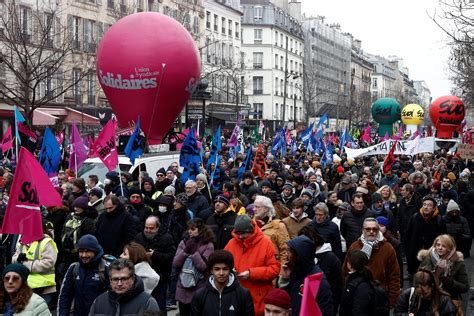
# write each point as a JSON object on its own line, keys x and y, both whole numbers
{"x": 91, "y": 88}
{"x": 25, "y": 23}
{"x": 281, "y": 87}
{"x": 139, "y": 5}
{"x": 110, "y": 4}
{"x": 257, "y": 85}
{"x": 76, "y": 85}
{"x": 208, "y": 20}
{"x": 276, "y": 61}
{"x": 237, "y": 30}
{"x": 257, "y": 13}
{"x": 196, "y": 25}
{"x": 74, "y": 31}
{"x": 291, "y": 66}
{"x": 257, "y": 37}
{"x": 216, "y": 22}
{"x": 89, "y": 41}
{"x": 208, "y": 49}
{"x": 229, "y": 26}
{"x": 374, "y": 83}
{"x": 281, "y": 62}
{"x": 276, "y": 85}
{"x": 276, "y": 111}
{"x": 223, "y": 26}
{"x": 258, "y": 111}
{"x": 281, "y": 39}
{"x": 231, "y": 55}
{"x": 291, "y": 45}
{"x": 276, "y": 38}
{"x": 3, "y": 68}
{"x": 49, "y": 29}
{"x": 258, "y": 60}
{"x": 224, "y": 54}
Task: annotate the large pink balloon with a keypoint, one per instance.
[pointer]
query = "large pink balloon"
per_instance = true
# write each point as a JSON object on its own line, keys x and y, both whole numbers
{"x": 148, "y": 65}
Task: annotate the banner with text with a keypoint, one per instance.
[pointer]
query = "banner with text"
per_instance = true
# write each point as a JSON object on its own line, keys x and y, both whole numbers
{"x": 404, "y": 147}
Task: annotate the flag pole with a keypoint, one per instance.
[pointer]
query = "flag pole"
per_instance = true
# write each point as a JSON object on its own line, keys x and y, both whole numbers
{"x": 120, "y": 178}
{"x": 139, "y": 172}
{"x": 16, "y": 138}
{"x": 75, "y": 162}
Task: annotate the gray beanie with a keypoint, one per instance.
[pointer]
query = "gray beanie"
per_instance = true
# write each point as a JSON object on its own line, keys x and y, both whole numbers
{"x": 169, "y": 190}
{"x": 452, "y": 206}
{"x": 243, "y": 224}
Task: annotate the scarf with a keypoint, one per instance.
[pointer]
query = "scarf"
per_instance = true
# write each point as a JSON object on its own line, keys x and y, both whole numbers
{"x": 369, "y": 245}
{"x": 443, "y": 265}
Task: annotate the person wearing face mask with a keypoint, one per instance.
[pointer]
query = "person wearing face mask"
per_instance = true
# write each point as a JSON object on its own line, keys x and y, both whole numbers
{"x": 137, "y": 206}
{"x": 112, "y": 185}
{"x": 160, "y": 249}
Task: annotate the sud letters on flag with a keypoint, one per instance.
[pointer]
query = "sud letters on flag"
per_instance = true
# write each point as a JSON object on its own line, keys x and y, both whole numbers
{"x": 105, "y": 146}
{"x": 31, "y": 188}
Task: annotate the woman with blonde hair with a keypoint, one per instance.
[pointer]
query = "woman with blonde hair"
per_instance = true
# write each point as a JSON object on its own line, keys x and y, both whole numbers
{"x": 137, "y": 255}
{"x": 389, "y": 199}
{"x": 447, "y": 265}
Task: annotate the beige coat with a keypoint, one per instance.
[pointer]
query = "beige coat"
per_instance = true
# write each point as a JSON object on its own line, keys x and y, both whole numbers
{"x": 276, "y": 231}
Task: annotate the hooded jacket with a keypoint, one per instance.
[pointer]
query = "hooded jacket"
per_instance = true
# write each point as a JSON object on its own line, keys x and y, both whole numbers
{"x": 133, "y": 302}
{"x": 234, "y": 300}
{"x": 222, "y": 226}
{"x": 330, "y": 264}
{"x": 406, "y": 211}
{"x": 83, "y": 288}
{"x": 257, "y": 255}
{"x": 457, "y": 281}
{"x": 304, "y": 267}
{"x": 114, "y": 230}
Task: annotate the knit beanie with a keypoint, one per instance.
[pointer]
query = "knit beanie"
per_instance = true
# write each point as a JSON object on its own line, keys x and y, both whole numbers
{"x": 169, "y": 190}
{"x": 17, "y": 268}
{"x": 182, "y": 199}
{"x": 134, "y": 190}
{"x": 223, "y": 199}
{"x": 265, "y": 183}
{"x": 165, "y": 200}
{"x": 308, "y": 193}
{"x": 113, "y": 176}
{"x": 243, "y": 224}
{"x": 287, "y": 185}
{"x": 278, "y": 297}
{"x": 96, "y": 192}
{"x": 89, "y": 242}
{"x": 382, "y": 220}
{"x": 81, "y": 202}
{"x": 376, "y": 197}
{"x": 452, "y": 206}
{"x": 161, "y": 171}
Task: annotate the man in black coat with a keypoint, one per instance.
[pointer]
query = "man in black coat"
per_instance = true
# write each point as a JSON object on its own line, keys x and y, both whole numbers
{"x": 422, "y": 230}
{"x": 222, "y": 221}
{"x": 409, "y": 205}
{"x": 160, "y": 249}
{"x": 115, "y": 227}
{"x": 327, "y": 229}
{"x": 197, "y": 202}
{"x": 352, "y": 221}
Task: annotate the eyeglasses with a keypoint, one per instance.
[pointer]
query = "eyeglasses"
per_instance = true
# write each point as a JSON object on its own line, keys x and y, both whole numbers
{"x": 122, "y": 279}
{"x": 13, "y": 278}
{"x": 160, "y": 175}
{"x": 371, "y": 229}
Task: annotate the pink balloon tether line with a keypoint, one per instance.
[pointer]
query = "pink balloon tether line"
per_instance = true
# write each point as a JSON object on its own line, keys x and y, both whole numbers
{"x": 163, "y": 67}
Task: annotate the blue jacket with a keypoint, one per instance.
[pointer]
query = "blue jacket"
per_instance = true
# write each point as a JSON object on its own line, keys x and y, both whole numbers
{"x": 305, "y": 266}
{"x": 83, "y": 288}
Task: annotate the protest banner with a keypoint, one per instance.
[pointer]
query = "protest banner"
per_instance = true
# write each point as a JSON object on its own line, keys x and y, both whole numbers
{"x": 404, "y": 147}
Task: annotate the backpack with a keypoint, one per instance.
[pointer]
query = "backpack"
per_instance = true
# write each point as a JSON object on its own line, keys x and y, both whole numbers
{"x": 379, "y": 303}
{"x": 189, "y": 275}
{"x": 71, "y": 233}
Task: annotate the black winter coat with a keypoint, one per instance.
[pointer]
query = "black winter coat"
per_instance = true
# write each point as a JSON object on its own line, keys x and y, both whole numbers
{"x": 114, "y": 230}
{"x": 331, "y": 266}
{"x": 197, "y": 203}
{"x": 222, "y": 226}
{"x": 405, "y": 305}
{"x": 351, "y": 225}
{"x": 330, "y": 232}
{"x": 357, "y": 297}
{"x": 209, "y": 302}
{"x": 164, "y": 250}
{"x": 405, "y": 211}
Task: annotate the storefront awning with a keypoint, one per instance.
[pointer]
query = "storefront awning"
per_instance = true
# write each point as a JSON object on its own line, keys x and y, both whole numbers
{"x": 42, "y": 118}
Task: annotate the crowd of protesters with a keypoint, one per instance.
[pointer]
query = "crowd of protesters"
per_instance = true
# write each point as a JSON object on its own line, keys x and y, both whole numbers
{"x": 243, "y": 244}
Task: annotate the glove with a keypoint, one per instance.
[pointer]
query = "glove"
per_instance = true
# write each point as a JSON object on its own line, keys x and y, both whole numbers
{"x": 21, "y": 258}
{"x": 191, "y": 246}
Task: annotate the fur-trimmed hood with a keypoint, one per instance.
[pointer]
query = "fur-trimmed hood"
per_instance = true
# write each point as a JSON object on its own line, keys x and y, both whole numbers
{"x": 424, "y": 253}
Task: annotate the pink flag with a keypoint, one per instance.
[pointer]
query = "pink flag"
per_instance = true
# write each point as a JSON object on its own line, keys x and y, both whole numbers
{"x": 186, "y": 132}
{"x": 60, "y": 137}
{"x": 309, "y": 306}
{"x": 77, "y": 154}
{"x": 288, "y": 136}
{"x": 105, "y": 146}
{"x": 7, "y": 141}
{"x": 92, "y": 153}
{"x": 366, "y": 138}
{"x": 235, "y": 134}
{"x": 415, "y": 135}
{"x": 399, "y": 134}
{"x": 31, "y": 188}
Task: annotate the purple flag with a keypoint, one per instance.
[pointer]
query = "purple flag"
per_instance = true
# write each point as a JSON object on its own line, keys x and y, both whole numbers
{"x": 235, "y": 134}
{"x": 77, "y": 154}
{"x": 415, "y": 135}
{"x": 399, "y": 134}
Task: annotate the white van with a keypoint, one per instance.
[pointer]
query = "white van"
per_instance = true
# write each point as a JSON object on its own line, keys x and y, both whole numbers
{"x": 150, "y": 163}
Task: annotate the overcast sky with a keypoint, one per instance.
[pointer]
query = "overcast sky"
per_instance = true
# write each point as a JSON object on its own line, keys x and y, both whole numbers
{"x": 402, "y": 28}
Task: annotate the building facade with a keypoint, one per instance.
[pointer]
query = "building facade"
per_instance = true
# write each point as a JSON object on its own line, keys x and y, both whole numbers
{"x": 273, "y": 52}
{"x": 383, "y": 78}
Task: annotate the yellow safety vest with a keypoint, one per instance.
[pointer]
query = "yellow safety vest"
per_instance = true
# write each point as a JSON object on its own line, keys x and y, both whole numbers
{"x": 33, "y": 253}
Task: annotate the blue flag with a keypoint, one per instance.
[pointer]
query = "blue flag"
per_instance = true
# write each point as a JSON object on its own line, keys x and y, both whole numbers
{"x": 329, "y": 152}
{"x": 134, "y": 145}
{"x": 305, "y": 135}
{"x": 277, "y": 142}
{"x": 216, "y": 175}
{"x": 283, "y": 144}
{"x": 50, "y": 153}
{"x": 245, "y": 165}
{"x": 189, "y": 157}
{"x": 18, "y": 120}
{"x": 215, "y": 147}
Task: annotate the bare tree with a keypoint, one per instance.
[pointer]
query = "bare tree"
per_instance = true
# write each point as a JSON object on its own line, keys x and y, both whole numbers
{"x": 35, "y": 50}
{"x": 456, "y": 19}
